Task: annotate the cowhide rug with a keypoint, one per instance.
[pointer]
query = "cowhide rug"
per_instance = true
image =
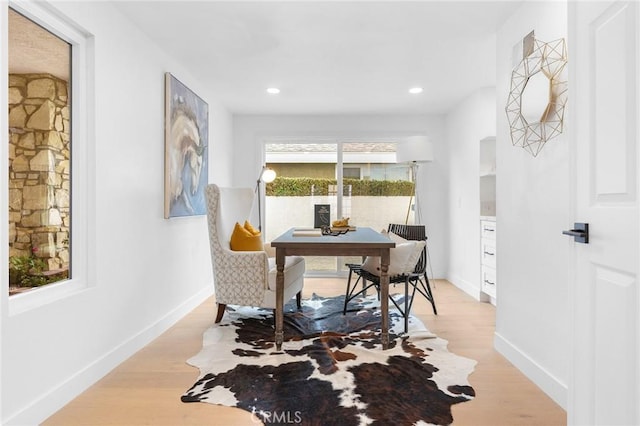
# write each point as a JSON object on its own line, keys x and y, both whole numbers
{"x": 332, "y": 369}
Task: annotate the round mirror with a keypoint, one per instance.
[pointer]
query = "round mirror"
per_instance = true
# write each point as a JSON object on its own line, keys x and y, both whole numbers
{"x": 535, "y": 98}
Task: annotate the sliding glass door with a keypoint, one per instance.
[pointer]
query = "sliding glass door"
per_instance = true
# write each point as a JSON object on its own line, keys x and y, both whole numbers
{"x": 306, "y": 177}
{"x": 355, "y": 179}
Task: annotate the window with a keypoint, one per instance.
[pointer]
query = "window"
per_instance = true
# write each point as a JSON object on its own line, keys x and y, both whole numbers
{"x": 49, "y": 157}
{"x": 351, "y": 172}
{"x": 39, "y": 155}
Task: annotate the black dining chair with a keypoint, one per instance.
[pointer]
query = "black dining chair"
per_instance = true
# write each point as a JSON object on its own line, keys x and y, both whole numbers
{"x": 418, "y": 279}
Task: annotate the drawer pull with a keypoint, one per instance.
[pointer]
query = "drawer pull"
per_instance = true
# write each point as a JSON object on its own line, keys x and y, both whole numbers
{"x": 489, "y": 254}
{"x": 489, "y": 282}
{"x": 489, "y": 229}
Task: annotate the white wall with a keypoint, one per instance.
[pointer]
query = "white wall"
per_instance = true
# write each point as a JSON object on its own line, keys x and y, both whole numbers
{"x": 469, "y": 122}
{"x": 147, "y": 271}
{"x": 249, "y": 131}
{"x": 532, "y": 210}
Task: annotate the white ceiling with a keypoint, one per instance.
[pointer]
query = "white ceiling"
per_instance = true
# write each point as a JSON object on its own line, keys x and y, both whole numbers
{"x": 330, "y": 57}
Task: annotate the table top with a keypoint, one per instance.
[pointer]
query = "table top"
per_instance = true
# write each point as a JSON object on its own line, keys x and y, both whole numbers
{"x": 362, "y": 236}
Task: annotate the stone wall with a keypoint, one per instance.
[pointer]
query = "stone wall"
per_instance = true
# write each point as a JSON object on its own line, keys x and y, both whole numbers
{"x": 39, "y": 168}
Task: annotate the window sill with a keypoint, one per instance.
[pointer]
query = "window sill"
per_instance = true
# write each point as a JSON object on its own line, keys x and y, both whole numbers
{"x": 40, "y": 296}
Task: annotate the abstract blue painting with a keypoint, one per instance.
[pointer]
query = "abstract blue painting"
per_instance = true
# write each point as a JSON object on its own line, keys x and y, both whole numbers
{"x": 186, "y": 150}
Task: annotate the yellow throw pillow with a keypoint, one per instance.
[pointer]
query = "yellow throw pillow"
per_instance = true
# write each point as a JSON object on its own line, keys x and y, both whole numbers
{"x": 249, "y": 227}
{"x": 243, "y": 240}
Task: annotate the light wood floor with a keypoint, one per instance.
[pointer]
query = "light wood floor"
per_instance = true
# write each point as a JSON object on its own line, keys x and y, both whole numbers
{"x": 146, "y": 389}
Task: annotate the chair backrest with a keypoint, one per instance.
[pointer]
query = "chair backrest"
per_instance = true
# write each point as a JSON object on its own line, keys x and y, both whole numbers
{"x": 240, "y": 277}
{"x": 413, "y": 233}
{"x": 226, "y": 207}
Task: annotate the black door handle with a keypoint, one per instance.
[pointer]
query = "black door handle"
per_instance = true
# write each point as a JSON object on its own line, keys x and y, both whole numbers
{"x": 580, "y": 232}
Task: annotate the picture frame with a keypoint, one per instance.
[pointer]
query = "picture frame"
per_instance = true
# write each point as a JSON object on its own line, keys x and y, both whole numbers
{"x": 321, "y": 215}
{"x": 186, "y": 150}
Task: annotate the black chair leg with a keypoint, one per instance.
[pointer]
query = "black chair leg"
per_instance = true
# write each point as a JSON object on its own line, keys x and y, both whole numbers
{"x": 426, "y": 291}
{"x": 406, "y": 305}
{"x": 347, "y": 296}
{"x": 352, "y": 290}
{"x": 430, "y": 297}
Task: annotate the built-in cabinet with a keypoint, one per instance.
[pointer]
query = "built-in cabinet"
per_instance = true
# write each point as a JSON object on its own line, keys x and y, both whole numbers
{"x": 487, "y": 178}
{"x": 488, "y": 257}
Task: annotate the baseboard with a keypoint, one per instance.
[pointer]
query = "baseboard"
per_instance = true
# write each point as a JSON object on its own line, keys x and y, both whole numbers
{"x": 466, "y": 286}
{"x": 551, "y": 385}
{"x": 56, "y": 398}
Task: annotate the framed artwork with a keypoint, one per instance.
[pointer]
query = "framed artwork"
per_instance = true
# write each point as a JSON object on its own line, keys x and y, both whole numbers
{"x": 321, "y": 215}
{"x": 186, "y": 150}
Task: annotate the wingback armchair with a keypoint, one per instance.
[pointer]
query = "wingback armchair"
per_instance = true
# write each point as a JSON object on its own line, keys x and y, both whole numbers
{"x": 245, "y": 278}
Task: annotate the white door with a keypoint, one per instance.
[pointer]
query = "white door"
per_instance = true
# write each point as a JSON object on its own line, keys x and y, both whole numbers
{"x": 604, "y": 296}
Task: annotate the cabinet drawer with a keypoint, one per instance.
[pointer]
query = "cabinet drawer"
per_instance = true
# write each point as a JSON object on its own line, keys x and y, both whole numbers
{"x": 488, "y": 229}
{"x": 489, "y": 281}
{"x": 488, "y": 253}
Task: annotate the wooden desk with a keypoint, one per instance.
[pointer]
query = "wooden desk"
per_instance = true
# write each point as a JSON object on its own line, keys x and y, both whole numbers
{"x": 362, "y": 242}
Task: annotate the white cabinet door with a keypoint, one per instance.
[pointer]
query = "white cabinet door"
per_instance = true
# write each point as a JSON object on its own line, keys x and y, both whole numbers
{"x": 489, "y": 281}
{"x": 488, "y": 253}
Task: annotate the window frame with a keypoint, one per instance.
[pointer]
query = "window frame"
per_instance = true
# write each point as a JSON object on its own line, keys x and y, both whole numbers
{"x": 350, "y": 170}
{"x": 82, "y": 179}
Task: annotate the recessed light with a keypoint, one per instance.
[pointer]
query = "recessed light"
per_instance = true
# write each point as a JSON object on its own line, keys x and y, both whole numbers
{"x": 273, "y": 90}
{"x": 415, "y": 90}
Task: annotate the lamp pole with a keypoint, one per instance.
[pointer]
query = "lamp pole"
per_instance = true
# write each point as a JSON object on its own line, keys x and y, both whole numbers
{"x": 414, "y": 150}
{"x": 257, "y": 190}
{"x": 267, "y": 175}
{"x": 414, "y": 178}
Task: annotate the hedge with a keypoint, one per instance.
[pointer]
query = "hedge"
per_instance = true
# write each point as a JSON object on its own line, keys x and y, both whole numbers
{"x": 302, "y": 187}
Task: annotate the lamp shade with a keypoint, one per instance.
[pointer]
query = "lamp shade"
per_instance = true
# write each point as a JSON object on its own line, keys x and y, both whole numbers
{"x": 268, "y": 175}
{"x": 414, "y": 149}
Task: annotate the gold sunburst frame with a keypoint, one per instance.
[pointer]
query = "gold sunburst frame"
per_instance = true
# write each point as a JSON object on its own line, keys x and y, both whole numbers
{"x": 549, "y": 59}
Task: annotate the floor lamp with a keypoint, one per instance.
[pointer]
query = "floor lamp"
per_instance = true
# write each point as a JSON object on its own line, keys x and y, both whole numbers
{"x": 267, "y": 175}
{"x": 415, "y": 150}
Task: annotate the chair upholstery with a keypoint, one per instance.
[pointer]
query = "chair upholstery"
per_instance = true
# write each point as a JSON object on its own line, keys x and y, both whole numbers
{"x": 244, "y": 277}
{"x": 417, "y": 279}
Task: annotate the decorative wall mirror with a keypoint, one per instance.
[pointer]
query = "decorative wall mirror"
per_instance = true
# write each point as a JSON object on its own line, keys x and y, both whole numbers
{"x": 538, "y": 95}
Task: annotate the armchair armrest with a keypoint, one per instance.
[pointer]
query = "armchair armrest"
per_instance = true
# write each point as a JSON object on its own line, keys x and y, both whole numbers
{"x": 241, "y": 277}
{"x": 271, "y": 251}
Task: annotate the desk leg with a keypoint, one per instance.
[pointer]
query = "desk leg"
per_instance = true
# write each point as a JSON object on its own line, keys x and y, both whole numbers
{"x": 279, "y": 297}
{"x": 384, "y": 297}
